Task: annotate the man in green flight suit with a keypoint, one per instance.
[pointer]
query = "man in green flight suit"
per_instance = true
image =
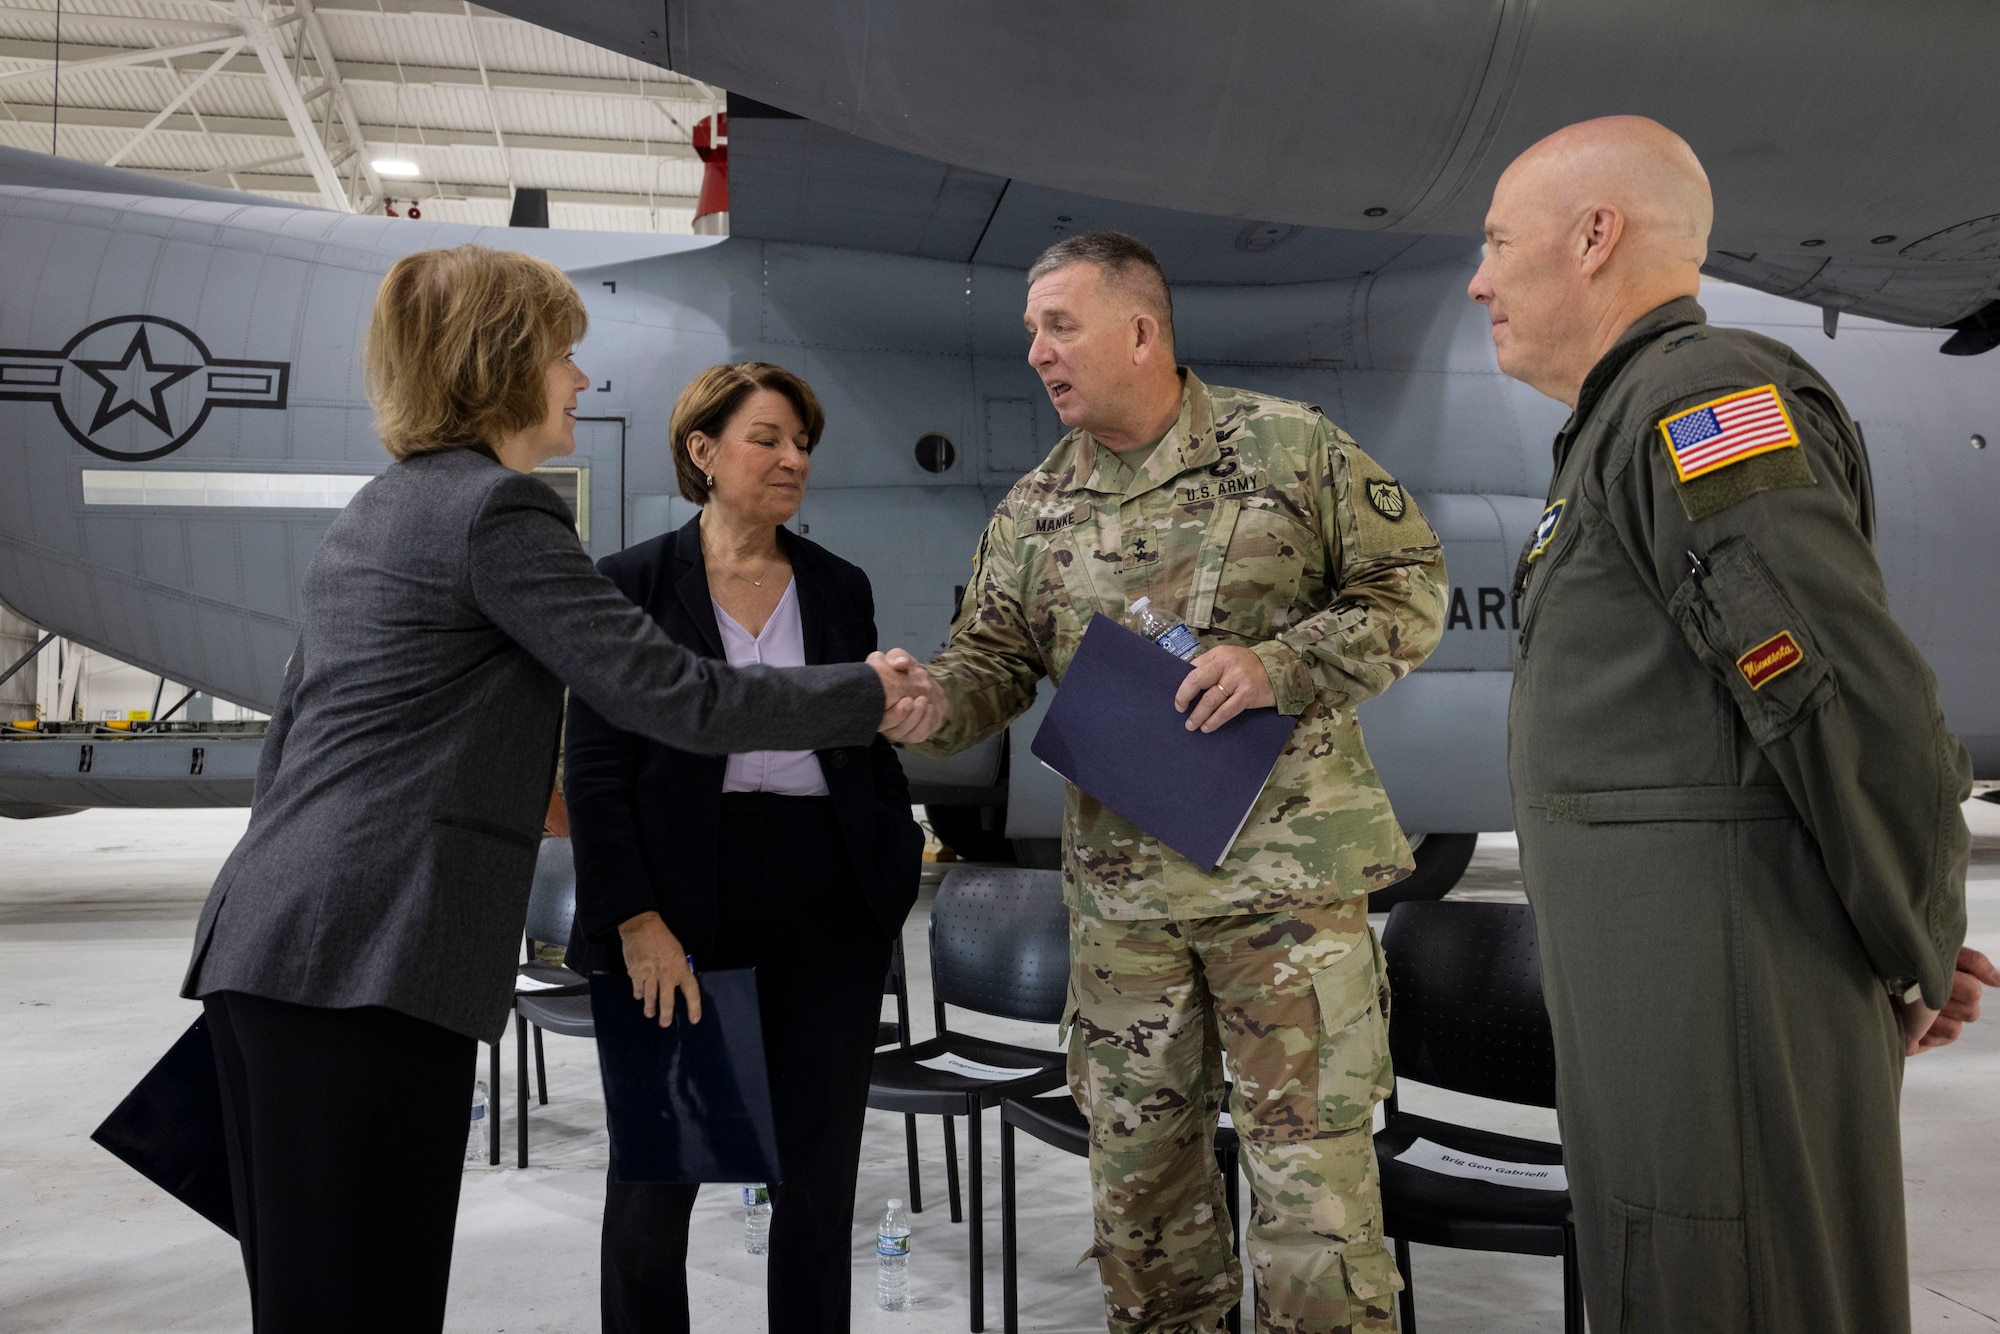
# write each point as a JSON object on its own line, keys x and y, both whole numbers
{"x": 1737, "y": 801}
{"x": 1313, "y": 582}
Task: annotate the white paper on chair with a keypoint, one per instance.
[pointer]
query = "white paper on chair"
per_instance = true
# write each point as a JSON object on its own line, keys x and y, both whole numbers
{"x": 522, "y": 982}
{"x": 1435, "y": 1158}
{"x": 953, "y": 1064}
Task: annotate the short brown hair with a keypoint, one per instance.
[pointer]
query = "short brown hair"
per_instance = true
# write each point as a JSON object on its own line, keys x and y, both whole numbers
{"x": 1127, "y": 261}
{"x": 713, "y": 397}
{"x": 459, "y": 344}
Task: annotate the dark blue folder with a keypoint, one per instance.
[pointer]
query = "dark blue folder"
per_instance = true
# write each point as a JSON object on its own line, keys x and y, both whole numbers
{"x": 1113, "y": 731}
{"x": 169, "y": 1129}
{"x": 689, "y": 1102}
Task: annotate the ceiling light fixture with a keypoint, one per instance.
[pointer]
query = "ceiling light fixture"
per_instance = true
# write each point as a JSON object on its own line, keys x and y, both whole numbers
{"x": 395, "y": 166}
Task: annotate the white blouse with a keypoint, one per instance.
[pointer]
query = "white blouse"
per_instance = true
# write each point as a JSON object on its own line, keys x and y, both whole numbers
{"x": 789, "y": 773}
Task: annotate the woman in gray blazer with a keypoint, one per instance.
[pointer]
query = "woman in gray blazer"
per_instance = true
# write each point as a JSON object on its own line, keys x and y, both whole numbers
{"x": 362, "y": 938}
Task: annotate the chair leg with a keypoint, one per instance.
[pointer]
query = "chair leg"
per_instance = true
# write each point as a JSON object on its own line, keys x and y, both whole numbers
{"x": 1572, "y": 1284}
{"x": 521, "y": 1027}
{"x": 541, "y": 1072}
{"x": 1010, "y": 1296}
{"x": 951, "y": 1168}
{"x": 493, "y": 1105}
{"x": 975, "y": 1176}
{"x": 1226, "y": 1160}
{"x": 916, "y": 1182}
{"x": 1408, "y": 1324}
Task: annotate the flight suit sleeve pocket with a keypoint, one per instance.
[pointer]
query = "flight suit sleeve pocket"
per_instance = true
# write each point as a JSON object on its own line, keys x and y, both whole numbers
{"x": 1354, "y": 1069}
{"x": 1741, "y": 625}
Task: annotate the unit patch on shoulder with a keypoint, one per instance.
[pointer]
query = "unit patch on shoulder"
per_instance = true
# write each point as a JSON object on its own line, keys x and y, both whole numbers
{"x": 1770, "y": 659}
{"x": 1545, "y": 531}
{"x": 1727, "y": 430}
{"x": 1388, "y": 499}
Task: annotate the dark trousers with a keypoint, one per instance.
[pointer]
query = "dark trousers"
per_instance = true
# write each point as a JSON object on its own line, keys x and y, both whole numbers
{"x": 347, "y": 1133}
{"x": 789, "y": 907}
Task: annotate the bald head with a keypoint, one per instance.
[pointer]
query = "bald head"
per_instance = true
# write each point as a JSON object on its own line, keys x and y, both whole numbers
{"x": 1635, "y": 165}
{"x": 1589, "y": 229}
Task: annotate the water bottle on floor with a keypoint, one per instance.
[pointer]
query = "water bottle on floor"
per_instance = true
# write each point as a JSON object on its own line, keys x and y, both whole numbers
{"x": 475, "y": 1138}
{"x": 757, "y": 1218}
{"x": 1169, "y": 634}
{"x": 892, "y": 1259}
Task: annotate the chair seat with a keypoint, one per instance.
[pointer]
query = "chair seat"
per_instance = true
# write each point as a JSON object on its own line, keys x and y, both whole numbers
{"x": 900, "y": 1083}
{"x": 565, "y": 981}
{"x": 1443, "y": 1210}
{"x": 568, "y": 1016}
{"x": 1057, "y": 1121}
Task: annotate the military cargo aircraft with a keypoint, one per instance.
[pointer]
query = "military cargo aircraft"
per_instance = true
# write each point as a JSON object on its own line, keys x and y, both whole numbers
{"x": 181, "y": 411}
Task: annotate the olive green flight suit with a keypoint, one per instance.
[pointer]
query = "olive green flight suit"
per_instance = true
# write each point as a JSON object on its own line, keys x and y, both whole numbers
{"x": 1739, "y": 820}
{"x": 1262, "y": 525}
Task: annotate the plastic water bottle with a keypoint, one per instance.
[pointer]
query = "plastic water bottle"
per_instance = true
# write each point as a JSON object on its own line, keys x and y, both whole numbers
{"x": 892, "y": 1259}
{"x": 475, "y": 1139}
{"x": 757, "y": 1218}
{"x": 1170, "y": 635}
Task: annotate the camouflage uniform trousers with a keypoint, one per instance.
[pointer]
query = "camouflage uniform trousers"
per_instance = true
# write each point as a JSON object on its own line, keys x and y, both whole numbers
{"x": 1297, "y": 1001}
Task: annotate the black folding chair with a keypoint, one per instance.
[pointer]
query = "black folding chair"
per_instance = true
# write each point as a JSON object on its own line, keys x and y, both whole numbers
{"x": 1467, "y": 1015}
{"x": 999, "y": 942}
{"x": 897, "y": 1033}
{"x": 1056, "y": 1120}
{"x": 546, "y": 995}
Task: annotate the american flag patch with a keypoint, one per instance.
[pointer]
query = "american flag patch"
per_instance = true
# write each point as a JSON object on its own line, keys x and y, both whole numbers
{"x": 1727, "y": 430}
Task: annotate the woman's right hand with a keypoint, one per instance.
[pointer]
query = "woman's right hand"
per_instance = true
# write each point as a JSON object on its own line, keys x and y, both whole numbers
{"x": 658, "y": 966}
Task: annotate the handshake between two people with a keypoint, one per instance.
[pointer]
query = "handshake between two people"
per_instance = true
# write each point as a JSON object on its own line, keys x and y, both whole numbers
{"x": 916, "y": 703}
{"x": 1225, "y": 681}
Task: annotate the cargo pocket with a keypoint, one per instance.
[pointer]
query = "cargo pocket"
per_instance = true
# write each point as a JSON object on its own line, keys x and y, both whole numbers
{"x": 1680, "y": 1273}
{"x": 1354, "y": 1069}
{"x": 1741, "y": 625}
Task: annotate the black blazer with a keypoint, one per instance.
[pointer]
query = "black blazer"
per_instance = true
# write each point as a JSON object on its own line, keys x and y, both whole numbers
{"x": 645, "y": 817}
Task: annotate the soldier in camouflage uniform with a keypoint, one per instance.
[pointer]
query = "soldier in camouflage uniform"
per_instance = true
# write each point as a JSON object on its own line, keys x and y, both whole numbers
{"x": 1314, "y": 583}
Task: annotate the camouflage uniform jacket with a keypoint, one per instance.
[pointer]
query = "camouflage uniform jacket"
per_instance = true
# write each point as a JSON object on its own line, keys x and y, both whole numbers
{"x": 1260, "y": 524}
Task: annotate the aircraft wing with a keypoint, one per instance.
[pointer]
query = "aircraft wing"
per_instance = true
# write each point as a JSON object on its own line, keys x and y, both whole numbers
{"x": 42, "y": 171}
{"x": 1849, "y": 147}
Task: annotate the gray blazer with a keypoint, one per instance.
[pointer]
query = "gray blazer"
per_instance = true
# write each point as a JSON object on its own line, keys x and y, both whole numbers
{"x": 406, "y": 772}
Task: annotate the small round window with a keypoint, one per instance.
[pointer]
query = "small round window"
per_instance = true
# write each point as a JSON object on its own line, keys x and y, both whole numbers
{"x": 936, "y": 453}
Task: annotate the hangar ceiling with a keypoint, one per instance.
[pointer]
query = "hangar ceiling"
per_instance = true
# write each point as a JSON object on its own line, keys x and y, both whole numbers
{"x": 295, "y": 99}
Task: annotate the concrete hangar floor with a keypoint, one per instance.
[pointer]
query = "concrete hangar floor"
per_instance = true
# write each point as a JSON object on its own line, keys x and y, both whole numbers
{"x": 96, "y": 911}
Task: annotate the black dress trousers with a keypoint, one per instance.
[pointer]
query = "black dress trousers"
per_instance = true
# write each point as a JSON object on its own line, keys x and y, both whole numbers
{"x": 789, "y": 906}
{"x": 346, "y": 1135}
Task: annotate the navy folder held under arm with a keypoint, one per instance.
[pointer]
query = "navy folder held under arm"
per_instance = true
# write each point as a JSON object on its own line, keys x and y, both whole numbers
{"x": 689, "y": 1102}
{"x": 1114, "y": 732}
{"x": 169, "y": 1129}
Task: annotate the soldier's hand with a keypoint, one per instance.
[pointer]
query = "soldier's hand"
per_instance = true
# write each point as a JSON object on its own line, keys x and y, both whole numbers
{"x": 1945, "y": 1026}
{"x": 1225, "y": 681}
{"x": 918, "y": 705}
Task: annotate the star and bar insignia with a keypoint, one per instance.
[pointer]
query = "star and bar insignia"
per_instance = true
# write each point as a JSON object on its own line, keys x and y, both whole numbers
{"x": 1387, "y": 498}
{"x": 1727, "y": 430}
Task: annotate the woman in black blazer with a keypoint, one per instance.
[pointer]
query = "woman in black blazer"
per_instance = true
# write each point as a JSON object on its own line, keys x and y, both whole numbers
{"x": 802, "y": 864}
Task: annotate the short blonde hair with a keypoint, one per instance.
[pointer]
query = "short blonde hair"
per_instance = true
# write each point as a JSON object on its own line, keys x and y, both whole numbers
{"x": 713, "y": 397}
{"x": 459, "y": 345}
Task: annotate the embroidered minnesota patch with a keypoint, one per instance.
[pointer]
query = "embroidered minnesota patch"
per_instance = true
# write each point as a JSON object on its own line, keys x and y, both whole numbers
{"x": 1770, "y": 659}
{"x": 1727, "y": 430}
